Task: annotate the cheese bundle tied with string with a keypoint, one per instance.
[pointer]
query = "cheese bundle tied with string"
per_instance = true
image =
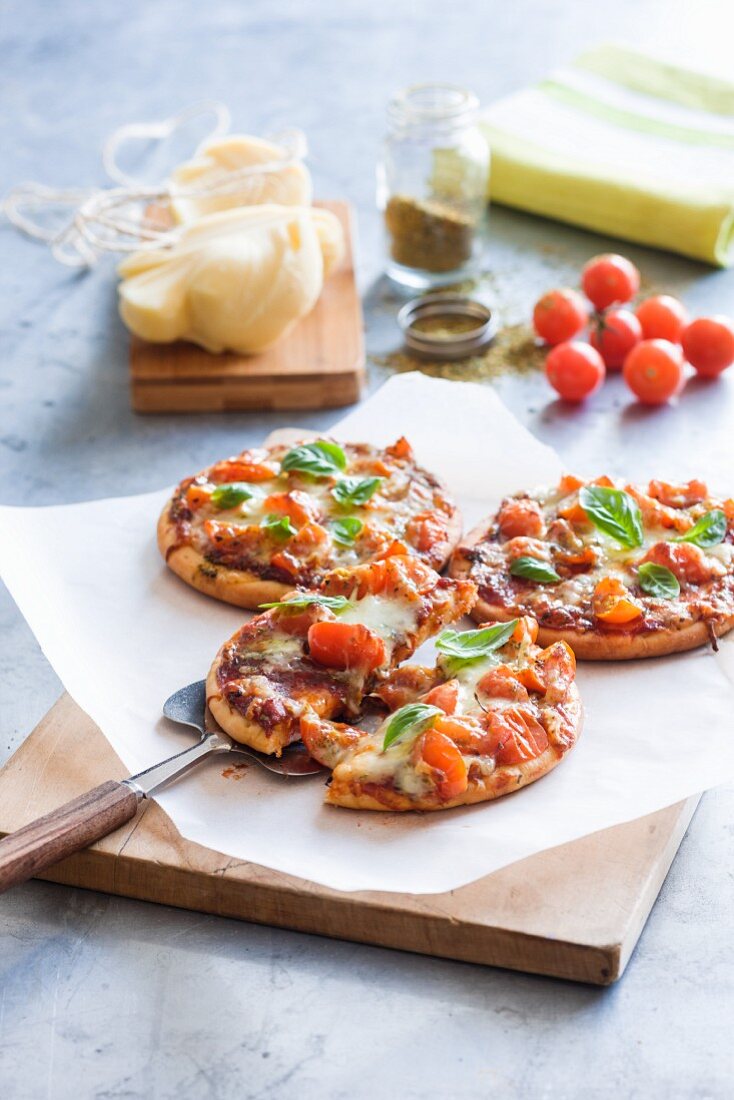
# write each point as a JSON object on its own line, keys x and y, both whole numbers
{"x": 236, "y": 280}
{"x": 224, "y": 174}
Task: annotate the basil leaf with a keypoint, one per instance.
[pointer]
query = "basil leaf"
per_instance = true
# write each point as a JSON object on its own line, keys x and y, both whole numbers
{"x": 230, "y": 495}
{"x": 658, "y": 581}
{"x": 412, "y": 719}
{"x": 464, "y": 646}
{"x": 280, "y": 527}
{"x": 351, "y": 492}
{"x": 710, "y": 530}
{"x": 320, "y": 459}
{"x": 532, "y": 569}
{"x": 344, "y": 531}
{"x": 299, "y": 603}
{"x": 614, "y": 512}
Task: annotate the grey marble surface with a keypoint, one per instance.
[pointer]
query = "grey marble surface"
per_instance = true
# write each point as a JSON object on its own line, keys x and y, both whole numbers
{"x": 104, "y": 997}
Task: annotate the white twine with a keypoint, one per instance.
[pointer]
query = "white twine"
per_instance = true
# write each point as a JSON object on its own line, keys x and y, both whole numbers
{"x": 116, "y": 219}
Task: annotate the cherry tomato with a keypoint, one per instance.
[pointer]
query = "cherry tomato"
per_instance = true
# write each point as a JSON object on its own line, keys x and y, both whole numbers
{"x": 444, "y": 696}
{"x": 345, "y": 645}
{"x": 439, "y": 752}
{"x": 559, "y": 315}
{"x": 503, "y": 683}
{"x": 688, "y": 562}
{"x": 708, "y": 345}
{"x": 424, "y": 530}
{"x": 526, "y": 629}
{"x": 521, "y": 516}
{"x": 575, "y": 370}
{"x": 662, "y": 318}
{"x": 608, "y": 279}
{"x": 297, "y": 505}
{"x": 612, "y": 602}
{"x": 516, "y": 734}
{"x": 654, "y": 371}
{"x": 614, "y": 335}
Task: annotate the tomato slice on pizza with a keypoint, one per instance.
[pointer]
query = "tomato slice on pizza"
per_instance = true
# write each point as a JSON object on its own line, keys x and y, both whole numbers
{"x": 616, "y": 570}
{"x": 250, "y": 528}
{"x": 324, "y": 651}
{"x": 496, "y": 713}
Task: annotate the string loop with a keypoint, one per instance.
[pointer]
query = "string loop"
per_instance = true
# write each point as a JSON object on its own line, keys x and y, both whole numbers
{"x": 118, "y": 219}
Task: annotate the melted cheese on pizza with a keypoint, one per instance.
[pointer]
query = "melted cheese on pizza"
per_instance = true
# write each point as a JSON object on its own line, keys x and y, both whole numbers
{"x": 290, "y": 525}
{"x": 325, "y": 653}
{"x": 599, "y": 585}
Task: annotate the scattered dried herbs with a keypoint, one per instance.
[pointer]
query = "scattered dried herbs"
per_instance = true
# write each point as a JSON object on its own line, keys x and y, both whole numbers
{"x": 513, "y": 351}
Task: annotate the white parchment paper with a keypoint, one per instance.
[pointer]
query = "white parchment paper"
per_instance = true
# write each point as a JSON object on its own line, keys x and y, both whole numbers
{"x": 123, "y": 633}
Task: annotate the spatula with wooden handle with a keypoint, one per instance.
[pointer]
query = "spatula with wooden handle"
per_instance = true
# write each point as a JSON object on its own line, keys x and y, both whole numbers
{"x": 93, "y": 815}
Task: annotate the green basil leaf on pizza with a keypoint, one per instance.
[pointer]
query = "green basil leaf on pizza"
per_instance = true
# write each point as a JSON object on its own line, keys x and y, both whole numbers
{"x": 409, "y": 721}
{"x": 461, "y": 647}
{"x": 533, "y": 569}
{"x": 353, "y": 492}
{"x": 280, "y": 527}
{"x": 301, "y": 602}
{"x": 614, "y": 512}
{"x": 658, "y": 581}
{"x": 319, "y": 459}
{"x": 708, "y": 531}
{"x": 344, "y": 531}
{"x": 231, "y": 494}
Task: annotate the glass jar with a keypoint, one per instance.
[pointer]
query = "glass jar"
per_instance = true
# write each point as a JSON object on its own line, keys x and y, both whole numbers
{"x": 432, "y": 185}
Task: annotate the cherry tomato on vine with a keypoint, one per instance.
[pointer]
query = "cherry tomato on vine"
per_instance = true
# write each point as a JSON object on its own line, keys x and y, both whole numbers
{"x": 608, "y": 279}
{"x": 575, "y": 370}
{"x": 559, "y": 315}
{"x": 662, "y": 318}
{"x": 708, "y": 345}
{"x": 614, "y": 335}
{"x": 653, "y": 370}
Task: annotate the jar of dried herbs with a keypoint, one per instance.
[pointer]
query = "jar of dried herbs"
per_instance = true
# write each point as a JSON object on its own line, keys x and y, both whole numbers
{"x": 432, "y": 185}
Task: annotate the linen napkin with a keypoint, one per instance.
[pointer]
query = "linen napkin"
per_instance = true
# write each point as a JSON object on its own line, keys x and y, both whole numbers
{"x": 626, "y": 145}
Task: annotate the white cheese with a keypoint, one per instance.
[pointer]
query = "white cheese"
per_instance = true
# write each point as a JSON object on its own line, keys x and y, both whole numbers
{"x": 390, "y": 618}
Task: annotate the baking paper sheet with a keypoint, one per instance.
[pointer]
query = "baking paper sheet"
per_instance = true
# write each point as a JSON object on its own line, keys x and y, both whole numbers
{"x": 122, "y": 633}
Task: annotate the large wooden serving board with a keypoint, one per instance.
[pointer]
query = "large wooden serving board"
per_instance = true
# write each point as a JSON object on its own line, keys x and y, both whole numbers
{"x": 572, "y": 912}
{"x": 319, "y": 365}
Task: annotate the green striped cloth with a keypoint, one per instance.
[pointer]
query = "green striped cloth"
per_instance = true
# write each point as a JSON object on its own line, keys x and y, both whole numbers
{"x": 626, "y": 145}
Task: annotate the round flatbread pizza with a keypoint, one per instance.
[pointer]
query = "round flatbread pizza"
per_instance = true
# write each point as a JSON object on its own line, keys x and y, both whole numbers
{"x": 496, "y": 713}
{"x": 250, "y": 528}
{"x": 322, "y": 652}
{"x": 616, "y": 570}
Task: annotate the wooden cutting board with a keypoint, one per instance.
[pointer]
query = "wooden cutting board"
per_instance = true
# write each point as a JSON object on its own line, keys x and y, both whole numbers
{"x": 572, "y": 912}
{"x": 319, "y": 365}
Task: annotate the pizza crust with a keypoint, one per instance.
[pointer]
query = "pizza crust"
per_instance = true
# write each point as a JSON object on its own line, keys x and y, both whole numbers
{"x": 592, "y": 645}
{"x": 241, "y": 729}
{"x": 236, "y": 586}
{"x": 502, "y": 781}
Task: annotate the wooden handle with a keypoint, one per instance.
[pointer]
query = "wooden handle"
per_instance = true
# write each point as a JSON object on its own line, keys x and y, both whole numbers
{"x": 72, "y": 826}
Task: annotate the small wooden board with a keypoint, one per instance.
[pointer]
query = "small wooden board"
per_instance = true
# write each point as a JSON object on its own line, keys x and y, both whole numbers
{"x": 319, "y": 365}
{"x": 572, "y": 912}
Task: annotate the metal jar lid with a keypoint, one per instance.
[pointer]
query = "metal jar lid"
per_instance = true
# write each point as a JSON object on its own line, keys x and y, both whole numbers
{"x": 447, "y": 345}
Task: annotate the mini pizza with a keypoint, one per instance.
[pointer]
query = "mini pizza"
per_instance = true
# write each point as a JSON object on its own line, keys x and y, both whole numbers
{"x": 250, "y": 528}
{"x": 324, "y": 651}
{"x": 615, "y": 570}
{"x": 496, "y": 713}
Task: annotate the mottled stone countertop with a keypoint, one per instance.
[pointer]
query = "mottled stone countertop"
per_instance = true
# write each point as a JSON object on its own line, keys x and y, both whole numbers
{"x": 109, "y": 998}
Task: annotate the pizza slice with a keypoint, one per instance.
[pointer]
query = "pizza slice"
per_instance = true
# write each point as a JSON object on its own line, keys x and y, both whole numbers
{"x": 496, "y": 713}
{"x": 324, "y": 651}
